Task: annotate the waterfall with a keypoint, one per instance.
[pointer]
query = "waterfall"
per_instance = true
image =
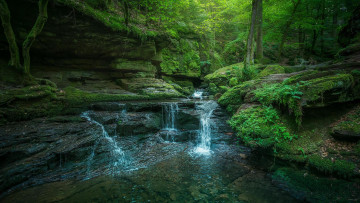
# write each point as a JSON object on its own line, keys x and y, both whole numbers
{"x": 205, "y": 109}
{"x": 169, "y": 116}
{"x": 116, "y": 152}
{"x": 198, "y": 94}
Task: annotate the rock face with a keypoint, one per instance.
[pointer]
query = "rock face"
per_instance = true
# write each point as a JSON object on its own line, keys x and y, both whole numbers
{"x": 348, "y": 128}
{"x": 51, "y": 149}
{"x": 75, "y": 50}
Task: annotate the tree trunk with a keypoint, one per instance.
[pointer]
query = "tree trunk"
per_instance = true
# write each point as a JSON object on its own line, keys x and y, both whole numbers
{"x": 335, "y": 18}
{"x": 126, "y": 12}
{"x": 286, "y": 30}
{"x": 301, "y": 42}
{"x": 322, "y": 41}
{"x": 249, "y": 44}
{"x": 9, "y": 34}
{"x": 313, "y": 43}
{"x": 35, "y": 31}
{"x": 259, "y": 36}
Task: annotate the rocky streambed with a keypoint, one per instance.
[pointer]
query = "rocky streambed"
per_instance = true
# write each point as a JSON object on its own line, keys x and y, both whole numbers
{"x": 136, "y": 151}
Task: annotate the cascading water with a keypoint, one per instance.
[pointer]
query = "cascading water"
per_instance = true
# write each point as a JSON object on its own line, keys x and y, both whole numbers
{"x": 198, "y": 94}
{"x": 169, "y": 116}
{"x": 205, "y": 109}
{"x": 116, "y": 152}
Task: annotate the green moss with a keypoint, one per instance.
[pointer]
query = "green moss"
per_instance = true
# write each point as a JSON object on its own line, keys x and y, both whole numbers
{"x": 350, "y": 124}
{"x": 285, "y": 95}
{"x": 76, "y": 96}
{"x": 110, "y": 19}
{"x": 260, "y": 126}
{"x": 235, "y": 95}
{"x": 271, "y": 69}
{"x": 316, "y": 88}
{"x": 233, "y": 82}
{"x": 223, "y": 89}
{"x": 222, "y": 76}
{"x": 183, "y": 59}
{"x": 308, "y": 75}
{"x": 29, "y": 102}
{"x": 213, "y": 89}
{"x": 340, "y": 167}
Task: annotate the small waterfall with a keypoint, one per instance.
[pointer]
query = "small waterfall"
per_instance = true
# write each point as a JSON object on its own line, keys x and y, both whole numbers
{"x": 116, "y": 152}
{"x": 169, "y": 116}
{"x": 198, "y": 94}
{"x": 205, "y": 109}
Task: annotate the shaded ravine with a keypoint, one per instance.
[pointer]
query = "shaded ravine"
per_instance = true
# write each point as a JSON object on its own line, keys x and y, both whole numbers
{"x": 143, "y": 167}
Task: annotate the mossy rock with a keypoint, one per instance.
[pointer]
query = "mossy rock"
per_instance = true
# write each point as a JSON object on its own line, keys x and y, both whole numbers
{"x": 307, "y": 75}
{"x": 222, "y": 76}
{"x": 271, "y": 69}
{"x": 149, "y": 86}
{"x": 260, "y": 126}
{"x": 29, "y": 102}
{"x": 340, "y": 167}
{"x": 233, "y": 82}
{"x": 236, "y": 95}
{"x": 329, "y": 89}
{"x": 213, "y": 89}
{"x": 349, "y": 127}
{"x": 223, "y": 89}
{"x": 182, "y": 59}
{"x": 126, "y": 65}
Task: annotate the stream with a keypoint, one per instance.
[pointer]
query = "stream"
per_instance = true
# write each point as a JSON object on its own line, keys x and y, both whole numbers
{"x": 171, "y": 151}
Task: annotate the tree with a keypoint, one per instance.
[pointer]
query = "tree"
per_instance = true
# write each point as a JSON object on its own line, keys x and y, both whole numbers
{"x": 259, "y": 36}
{"x": 287, "y": 26}
{"x": 250, "y": 39}
{"x": 10, "y": 36}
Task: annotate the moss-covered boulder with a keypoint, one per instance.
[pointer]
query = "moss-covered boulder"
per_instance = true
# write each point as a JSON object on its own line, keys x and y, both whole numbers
{"x": 149, "y": 86}
{"x": 183, "y": 86}
{"x": 271, "y": 69}
{"x": 259, "y": 126}
{"x": 349, "y": 127}
{"x": 222, "y": 76}
{"x": 329, "y": 89}
{"x": 236, "y": 95}
{"x": 233, "y": 82}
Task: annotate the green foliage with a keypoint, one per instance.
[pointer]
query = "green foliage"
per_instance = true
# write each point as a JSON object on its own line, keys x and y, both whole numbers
{"x": 234, "y": 50}
{"x": 340, "y": 167}
{"x": 183, "y": 59}
{"x": 233, "y": 82}
{"x": 271, "y": 69}
{"x": 235, "y": 95}
{"x": 260, "y": 126}
{"x": 213, "y": 89}
{"x": 286, "y": 95}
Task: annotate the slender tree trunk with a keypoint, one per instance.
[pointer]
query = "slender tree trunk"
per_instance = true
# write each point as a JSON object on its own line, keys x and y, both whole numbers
{"x": 286, "y": 29}
{"x": 35, "y": 31}
{"x": 322, "y": 41}
{"x": 126, "y": 12}
{"x": 259, "y": 36}
{"x": 335, "y": 18}
{"x": 301, "y": 42}
{"x": 313, "y": 43}
{"x": 9, "y": 34}
{"x": 249, "y": 44}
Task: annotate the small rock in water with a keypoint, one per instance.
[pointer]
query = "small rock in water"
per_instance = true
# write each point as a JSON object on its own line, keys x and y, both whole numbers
{"x": 243, "y": 156}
